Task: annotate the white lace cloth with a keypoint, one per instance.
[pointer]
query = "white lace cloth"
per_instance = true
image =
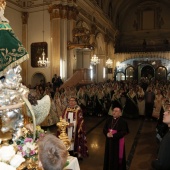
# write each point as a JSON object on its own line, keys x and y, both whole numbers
{"x": 73, "y": 164}
{"x": 42, "y": 109}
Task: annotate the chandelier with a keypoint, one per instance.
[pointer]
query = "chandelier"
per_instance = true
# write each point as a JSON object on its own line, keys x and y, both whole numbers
{"x": 43, "y": 62}
{"x": 109, "y": 62}
{"x": 95, "y": 60}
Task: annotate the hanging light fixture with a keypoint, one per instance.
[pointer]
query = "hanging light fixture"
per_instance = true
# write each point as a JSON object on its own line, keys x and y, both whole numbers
{"x": 95, "y": 60}
{"x": 109, "y": 62}
{"x": 43, "y": 62}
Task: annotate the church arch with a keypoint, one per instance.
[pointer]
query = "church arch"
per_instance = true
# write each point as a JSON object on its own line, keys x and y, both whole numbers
{"x": 37, "y": 78}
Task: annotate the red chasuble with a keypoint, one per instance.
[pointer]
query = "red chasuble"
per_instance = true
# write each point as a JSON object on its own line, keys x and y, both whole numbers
{"x": 77, "y": 133}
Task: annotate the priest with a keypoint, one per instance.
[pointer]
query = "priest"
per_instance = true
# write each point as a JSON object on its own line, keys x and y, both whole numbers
{"x": 115, "y": 129}
{"x": 76, "y": 130}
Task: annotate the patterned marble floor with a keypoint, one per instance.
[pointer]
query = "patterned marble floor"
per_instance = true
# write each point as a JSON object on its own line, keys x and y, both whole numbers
{"x": 140, "y": 143}
{"x": 141, "y": 146}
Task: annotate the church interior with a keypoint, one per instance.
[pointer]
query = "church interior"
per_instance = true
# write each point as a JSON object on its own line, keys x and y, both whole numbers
{"x": 125, "y": 37}
{"x": 88, "y": 42}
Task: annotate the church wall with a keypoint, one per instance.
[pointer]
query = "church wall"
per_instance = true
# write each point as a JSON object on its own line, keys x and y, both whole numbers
{"x": 35, "y": 34}
{"x": 165, "y": 16}
{"x": 86, "y": 59}
{"x": 15, "y": 21}
{"x": 83, "y": 59}
{"x": 79, "y": 59}
{"x": 100, "y": 71}
{"x": 133, "y": 35}
{"x": 128, "y": 22}
{"x": 100, "y": 52}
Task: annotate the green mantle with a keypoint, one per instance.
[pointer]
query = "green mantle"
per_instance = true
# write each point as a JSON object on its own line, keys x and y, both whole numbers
{"x": 12, "y": 52}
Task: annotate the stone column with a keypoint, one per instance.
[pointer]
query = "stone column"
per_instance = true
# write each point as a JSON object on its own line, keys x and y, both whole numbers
{"x": 24, "y": 64}
{"x": 55, "y": 17}
{"x": 71, "y": 23}
{"x": 61, "y": 17}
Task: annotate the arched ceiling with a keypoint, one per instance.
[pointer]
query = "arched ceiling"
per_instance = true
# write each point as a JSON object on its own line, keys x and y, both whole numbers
{"x": 122, "y": 7}
{"x": 119, "y": 7}
{"x": 137, "y": 20}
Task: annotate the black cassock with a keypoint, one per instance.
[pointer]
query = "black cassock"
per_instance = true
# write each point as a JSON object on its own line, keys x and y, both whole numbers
{"x": 131, "y": 109}
{"x": 112, "y": 156}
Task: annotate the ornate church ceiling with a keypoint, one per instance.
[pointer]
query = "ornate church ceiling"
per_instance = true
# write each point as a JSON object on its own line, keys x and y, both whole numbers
{"x": 29, "y": 3}
{"x": 121, "y": 8}
{"x": 128, "y": 29}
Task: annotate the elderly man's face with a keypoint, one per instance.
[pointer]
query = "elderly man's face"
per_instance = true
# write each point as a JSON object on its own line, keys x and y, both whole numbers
{"x": 116, "y": 112}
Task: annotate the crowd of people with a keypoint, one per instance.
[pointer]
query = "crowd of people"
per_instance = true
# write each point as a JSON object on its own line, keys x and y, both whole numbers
{"x": 131, "y": 99}
{"x": 137, "y": 99}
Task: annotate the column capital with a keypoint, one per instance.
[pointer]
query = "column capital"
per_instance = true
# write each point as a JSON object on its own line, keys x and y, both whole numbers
{"x": 62, "y": 11}
{"x": 72, "y": 13}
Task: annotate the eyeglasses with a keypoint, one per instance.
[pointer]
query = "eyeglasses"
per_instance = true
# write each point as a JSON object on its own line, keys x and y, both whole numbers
{"x": 71, "y": 100}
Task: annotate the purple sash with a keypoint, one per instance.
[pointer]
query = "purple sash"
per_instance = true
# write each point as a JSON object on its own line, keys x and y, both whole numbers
{"x": 121, "y": 145}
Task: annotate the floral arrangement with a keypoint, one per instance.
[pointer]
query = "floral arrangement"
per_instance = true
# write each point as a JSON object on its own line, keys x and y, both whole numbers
{"x": 22, "y": 150}
{"x": 26, "y": 145}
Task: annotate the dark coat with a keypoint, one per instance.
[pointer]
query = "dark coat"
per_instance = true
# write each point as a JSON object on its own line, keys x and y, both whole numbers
{"x": 131, "y": 108}
{"x": 149, "y": 103}
{"x": 152, "y": 97}
{"x": 111, "y": 157}
{"x": 162, "y": 162}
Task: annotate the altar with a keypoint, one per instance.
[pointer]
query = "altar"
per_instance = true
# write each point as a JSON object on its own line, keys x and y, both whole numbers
{"x": 73, "y": 164}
